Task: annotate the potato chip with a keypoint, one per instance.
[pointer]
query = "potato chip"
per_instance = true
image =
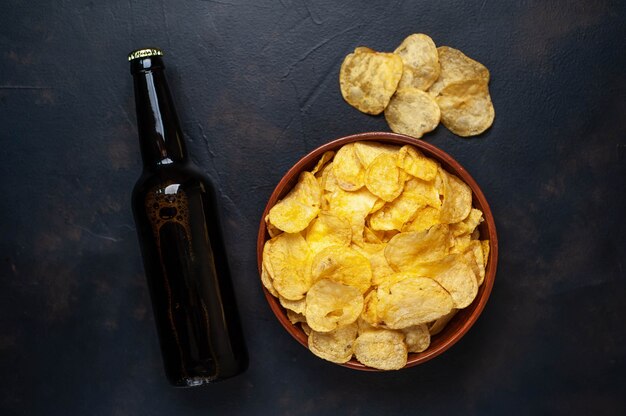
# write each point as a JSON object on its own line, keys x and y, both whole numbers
{"x": 457, "y": 198}
{"x": 336, "y": 346}
{"x": 287, "y": 265}
{"x": 294, "y": 213}
{"x": 413, "y": 112}
{"x": 272, "y": 230}
{"x": 354, "y": 207}
{"x": 375, "y": 253}
{"x": 266, "y": 279}
{"x": 369, "y": 313}
{"x": 421, "y": 61}
{"x": 460, "y": 244}
{"x": 439, "y": 324}
{"x": 379, "y": 204}
{"x": 372, "y": 236}
{"x": 328, "y": 230}
{"x": 466, "y": 108}
{"x": 455, "y": 67}
{"x": 368, "y": 79}
{"x": 368, "y": 151}
{"x": 474, "y": 258}
{"x": 297, "y": 306}
{"x": 364, "y": 326}
{"x": 342, "y": 265}
{"x": 382, "y": 349}
{"x": 485, "y": 247}
{"x": 306, "y": 328}
{"x": 425, "y": 218}
{"x": 409, "y": 299}
{"x": 326, "y": 157}
{"x": 407, "y": 250}
{"x": 294, "y": 317}
{"x": 347, "y": 168}
{"x": 328, "y": 182}
{"x": 417, "y": 338}
{"x": 330, "y": 305}
{"x": 468, "y": 225}
{"x": 383, "y": 178}
{"x": 455, "y": 275}
{"x": 413, "y": 162}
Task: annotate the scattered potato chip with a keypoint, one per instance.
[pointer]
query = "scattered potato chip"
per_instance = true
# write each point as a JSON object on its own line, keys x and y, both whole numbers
{"x": 438, "y": 325}
{"x": 294, "y": 213}
{"x": 382, "y": 349}
{"x": 326, "y": 230}
{"x": 336, "y": 346}
{"x": 368, "y": 151}
{"x": 407, "y": 250}
{"x": 421, "y": 61}
{"x": 417, "y": 338}
{"x": 368, "y": 79}
{"x": 413, "y": 162}
{"x": 413, "y": 112}
{"x": 330, "y": 305}
{"x": 383, "y": 178}
{"x": 348, "y": 170}
{"x": 342, "y": 265}
{"x": 409, "y": 299}
{"x": 457, "y": 198}
{"x": 455, "y": 67}
{"x": 466, "y": 108}
{"x": 287, "y": 260}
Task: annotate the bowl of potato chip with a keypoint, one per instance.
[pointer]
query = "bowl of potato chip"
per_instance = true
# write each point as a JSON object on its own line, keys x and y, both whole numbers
{"x": 377, "y": 251}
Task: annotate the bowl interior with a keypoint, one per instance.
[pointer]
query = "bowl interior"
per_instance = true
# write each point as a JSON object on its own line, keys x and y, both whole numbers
{"x": 465, "y": 318}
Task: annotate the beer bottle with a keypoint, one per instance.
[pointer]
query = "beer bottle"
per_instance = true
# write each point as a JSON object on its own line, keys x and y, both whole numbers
{"x": 182, "y": 249}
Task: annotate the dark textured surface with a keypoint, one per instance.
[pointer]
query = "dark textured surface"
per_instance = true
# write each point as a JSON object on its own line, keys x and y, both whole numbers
{"x": 256, "y": 87}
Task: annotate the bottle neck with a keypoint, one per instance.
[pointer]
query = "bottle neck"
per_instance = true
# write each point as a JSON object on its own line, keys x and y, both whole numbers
{"x": 160, "y": 137}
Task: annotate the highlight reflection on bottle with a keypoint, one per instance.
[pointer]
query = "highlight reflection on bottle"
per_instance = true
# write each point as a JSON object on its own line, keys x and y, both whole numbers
{"x": 180, "y": 238}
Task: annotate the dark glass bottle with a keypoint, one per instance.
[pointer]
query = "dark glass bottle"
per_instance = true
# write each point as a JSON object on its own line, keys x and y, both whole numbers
{"x": 179, "y": 233}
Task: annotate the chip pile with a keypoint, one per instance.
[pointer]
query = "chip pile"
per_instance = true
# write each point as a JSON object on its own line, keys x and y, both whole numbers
{"x": 373, "y": 252}
{"x": 419, "y": 85}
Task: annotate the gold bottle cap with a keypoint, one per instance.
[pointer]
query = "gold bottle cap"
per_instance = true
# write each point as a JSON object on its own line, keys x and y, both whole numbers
{"x": 144, "y": 53}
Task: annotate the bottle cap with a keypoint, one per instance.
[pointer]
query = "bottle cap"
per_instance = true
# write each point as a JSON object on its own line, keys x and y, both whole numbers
{"x": 144, "y": 53}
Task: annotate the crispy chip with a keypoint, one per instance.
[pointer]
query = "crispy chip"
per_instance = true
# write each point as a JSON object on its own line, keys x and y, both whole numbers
{"x": 425, "y": 218}
{"x": 266, "y": 279}
{"x": 368, "y": 151}
{"x": 326, "y": 157}
{"x": 455, "y": 67}
{"x": 328, "y": 182}
{"x": 294, "y": 317}
{"x": 413, "y": 112}
{"x": 466, "y": 108}
{"x": 409, "y": 299}
{"x": 342, "y": 265}
{"x": 299, "y": 207}
{"x": 438, "y": 325}
{"x": 272, "y": 230}
{"x": 336, "y": 346}
{"x": 288, "y": 254}
{"x": 485, "y": 247}
{"x": 413, "y": 162}
{"x": 370, "y": 309}
{"x": 328, "y": 230}
{"x": 421, "y": 61}
{"x": 306, "y": 328}
{"x": 375, "y": 253}
{"x": 368, "y": 79}
{"x": 468, "y": 225}
{"x": 330, "y": 305}
{"x": 456, "y": 277}
{"x": 347, "y": 168}
{"x": 474, "y": 257}
{"x": 407, "y": 250}
{"x": 383, "y": 178}
{"x": 354, "y": 207}
{"x": 382, "y": 349}
{"x": 457, "y": 198}
{"x": 297, "y": 306}
{"x": 417, "y": 338}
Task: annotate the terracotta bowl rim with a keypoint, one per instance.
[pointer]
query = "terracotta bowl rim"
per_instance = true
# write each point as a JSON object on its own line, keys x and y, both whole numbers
{"x": 477, "y": 306}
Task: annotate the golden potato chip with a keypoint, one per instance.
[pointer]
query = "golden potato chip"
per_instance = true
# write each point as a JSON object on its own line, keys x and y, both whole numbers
{"x": 460, "y": 244}
{"x": 417, "y": 338}
{"x": 266, "y": 279}
{"x": 306, "y": 328}
{"x": 485, "y": 247}
{"x": 379, "y": 204}
{"x": 382, "y": 349}
{"x": 294, "y": 317}
{"x": 455, "y": 67}
{"x": 336, "y": 346}
{"x": 466, "y": 108}
{"x": 407, "y": 250}
{"x": 375, "y": 253}
{"x": 383, "y": 178}
{"x": 413, "y": 112}
{"x": 364, "y": 326}
{"x": 421, "y": 61}
{"x": 272, "y": 230}
{"x": 326, "y": 157}
{"x": 354, "y": 207}
{"x": 425, "y": 218}
{"x": 328, "y": 182}
{"x": 330, "y": 305}
{"x": 408, "y": 299}
{"x": 474, "y": 258}
{"x": 455, "y": 275}
{"x": 372, "y": 236}
{"x": 468, "y": 225}
{"x": 413, "y": 162}
{"x": 347, "y": 168}
{"x": 287, "y": 265}
{"x": 457, "y": 198}
{"x": 368, "y": 151}
{"x": 368, "y": 79}
{"x": 342, "y": 265}
{"x": 297, "y": 306}
{"x": 439, "y": 324}
{"x": 326, "y": 230}
{"x": 370, "y": 309}
{"x": 294, "y": 213}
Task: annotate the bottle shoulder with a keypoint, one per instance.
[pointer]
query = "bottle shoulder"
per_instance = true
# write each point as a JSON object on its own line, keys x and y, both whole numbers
{"x": 184, "y": 174}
